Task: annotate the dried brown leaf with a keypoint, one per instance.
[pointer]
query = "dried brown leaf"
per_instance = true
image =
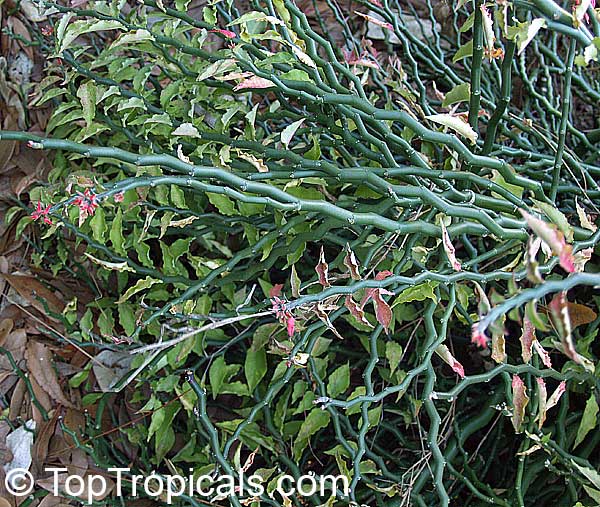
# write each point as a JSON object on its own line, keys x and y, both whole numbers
{"x": 383, "y": 312}
{"x": 356, "y": 311}
{"x": 322, "y": 270}
{"x": 16, "y": 400}
{"x": 352, "y": 264}
{"x": 39, "y": 363}
{"x": 520, "y": 401}
{"x": 580, "y": 314}
{"x": 254, "y": 82}
{"x": 42, "y": 443}
{"x": 42, "y": 399}
{"x": 35, "y": 292}
{"x": 6, "y": 326}
{"x": 527, "y": 338}
{"x": 449, "y": 248}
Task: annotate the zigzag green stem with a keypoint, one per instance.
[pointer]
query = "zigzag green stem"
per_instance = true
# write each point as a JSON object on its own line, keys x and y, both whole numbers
{"x": 507, "y": 368}
{"x": 211, "y": 430}
{"x": 273, "y": 196}
{"x": 536, "y": 293}
{"x": 438, "y": 337}
{"x": 364, "y": 409}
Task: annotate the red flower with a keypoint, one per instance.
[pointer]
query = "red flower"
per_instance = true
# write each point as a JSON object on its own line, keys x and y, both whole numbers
{"x": 586, "y": 16}
{"x": 87, "y": 202}
{"x": 42, "y": 213}
{"x": 291, "y": 325}
{"x": 478, "y": 338}
{"x": 119, "y": 197}
{"x": 284, "y": 315}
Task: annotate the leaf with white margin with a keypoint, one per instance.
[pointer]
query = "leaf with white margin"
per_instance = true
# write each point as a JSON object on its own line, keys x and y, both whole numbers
{"x": 140, "y": 35}
{"x": 303, "y": 57}
{"x": 288, "y": 132}
{"x": 584, "y": 219}
{"x": 580, "y": 10}
{"x": 186, "y": 130}
{"x": 520, "y": 401}
{"x": 81, "y": 27}
{"x": 113, "y": 266}
{"x": 524, "y": 33}
{"x": 488, "y": 28}
{"x": 256, "y": 16}
{"x": 557, "y": 217}
{"x": 590, "y": 53}
{"x": 253, "y": 82}
{"x": 588, "y": 473}
{"x": 449, "y": 248}
{"x": 444, "y": 352}
{"x": 554, "y": 238}
{"x": 455, "y": 123}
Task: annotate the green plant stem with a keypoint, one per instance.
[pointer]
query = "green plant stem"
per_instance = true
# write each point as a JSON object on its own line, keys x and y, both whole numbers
{"x": 505, "y": 91}
{"x": 477, "y": 61}
{"x": 566, "y": 108}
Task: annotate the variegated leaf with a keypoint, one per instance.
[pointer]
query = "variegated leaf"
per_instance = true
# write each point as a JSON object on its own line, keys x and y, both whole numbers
{"x": 455, "y": 123}
{"x": 322, "y": 270}
{"x": 383, "y": 312}
{"x": 356, "y": 311}
{"x": 352, "y": 264}
{"x": 520, "y": 401}
{"x": 253, "y": 82}
{"x": 444, "y": 352}
{"x": 449, "y": 248}
{"x": 554, "y": 238}
{"x": 527, "y": 339}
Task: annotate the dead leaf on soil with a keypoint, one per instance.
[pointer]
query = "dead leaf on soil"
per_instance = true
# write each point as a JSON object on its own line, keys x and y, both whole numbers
{"x": 109, "y": 367}
{"x": 39, "y": 363}
{"x": 35, "y": 293}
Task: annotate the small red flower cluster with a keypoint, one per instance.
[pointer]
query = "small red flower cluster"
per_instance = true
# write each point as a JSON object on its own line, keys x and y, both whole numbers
{"x": 478, "y": 337}
{"x": 284, "y": 315}
{"x": 586, "y": 16}
{"x": 42, "y": 213}
{"x": 87, "y": 202}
